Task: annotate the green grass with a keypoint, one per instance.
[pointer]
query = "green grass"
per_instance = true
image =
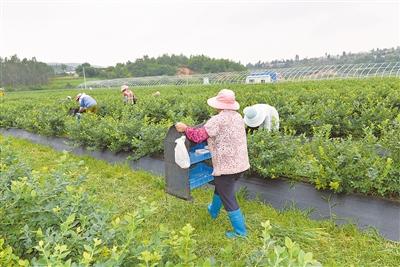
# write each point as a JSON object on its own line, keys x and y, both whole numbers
{"x": 64, "y": 82}
{"x": 120, "y": 187}
{"x": 67, "y": 82}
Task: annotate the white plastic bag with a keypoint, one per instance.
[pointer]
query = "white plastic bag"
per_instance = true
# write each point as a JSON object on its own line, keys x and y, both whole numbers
{"x": 181, "y": 155}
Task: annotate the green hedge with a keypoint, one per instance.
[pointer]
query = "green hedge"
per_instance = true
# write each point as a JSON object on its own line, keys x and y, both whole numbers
{"x": 339, "y": 135}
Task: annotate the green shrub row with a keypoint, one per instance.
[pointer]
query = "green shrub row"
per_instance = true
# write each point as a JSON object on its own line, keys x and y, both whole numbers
{"x": 367, "y": 165}
{"x": 348, "y": 105}
{"x": 357, "y": 152}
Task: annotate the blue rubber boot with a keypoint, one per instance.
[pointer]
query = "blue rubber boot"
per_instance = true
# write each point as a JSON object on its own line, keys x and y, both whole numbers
{"x": 215, "y": 206}
{"x": 237, "y": 221}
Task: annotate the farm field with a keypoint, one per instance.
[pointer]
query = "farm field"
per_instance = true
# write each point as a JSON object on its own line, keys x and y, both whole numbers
{"x": 55, "y": 83}
{"x": 340, "y": 135}
{"x": 66, "y": 82}
{"x": 59, "y": 206}
{"x": 125, "y": 141}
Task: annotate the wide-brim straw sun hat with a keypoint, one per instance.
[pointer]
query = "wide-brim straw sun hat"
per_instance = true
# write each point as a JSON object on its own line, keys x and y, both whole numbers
{"x": 124, "y": 87}
{"x": 254, "y": 115}
{"x": 224, "y": 100}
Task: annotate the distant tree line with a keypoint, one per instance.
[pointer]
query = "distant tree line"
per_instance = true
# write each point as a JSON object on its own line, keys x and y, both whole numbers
{"x": 163, "y": 65}
{"x": 15, "y": 72}
{"x": 372, "y": 56}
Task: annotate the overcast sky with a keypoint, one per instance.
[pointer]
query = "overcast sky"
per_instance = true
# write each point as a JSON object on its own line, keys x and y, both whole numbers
{"x": 106, "y": 32}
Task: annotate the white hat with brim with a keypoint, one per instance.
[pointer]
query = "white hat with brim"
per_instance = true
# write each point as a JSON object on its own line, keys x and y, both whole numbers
{"x": 254, "y": 115}
{"x": 124, "y": 87}
{"x": 224, "y": 100}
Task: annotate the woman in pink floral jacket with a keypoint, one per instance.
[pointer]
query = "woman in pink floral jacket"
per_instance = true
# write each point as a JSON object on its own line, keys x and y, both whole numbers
{"x": 226, "y": 137}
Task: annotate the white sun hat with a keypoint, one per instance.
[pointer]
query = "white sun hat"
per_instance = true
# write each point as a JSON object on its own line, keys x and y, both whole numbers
{"x": 254, "y": 115}
{"x": 124, "y": 87}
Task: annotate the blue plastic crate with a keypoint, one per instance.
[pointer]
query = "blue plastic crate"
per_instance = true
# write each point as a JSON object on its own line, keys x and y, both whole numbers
{"x": 200, "y": 175}
{"x": 195, "y": 158}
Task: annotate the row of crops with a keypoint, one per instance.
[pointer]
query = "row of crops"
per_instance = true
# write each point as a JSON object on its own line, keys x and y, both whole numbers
{"x": 338, "y": 135}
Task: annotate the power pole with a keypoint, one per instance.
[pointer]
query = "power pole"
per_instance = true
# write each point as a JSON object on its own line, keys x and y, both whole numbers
{"x": 84, "y": 76}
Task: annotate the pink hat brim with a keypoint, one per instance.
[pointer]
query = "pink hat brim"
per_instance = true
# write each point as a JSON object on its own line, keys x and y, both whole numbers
{"x": 213, "y": 102}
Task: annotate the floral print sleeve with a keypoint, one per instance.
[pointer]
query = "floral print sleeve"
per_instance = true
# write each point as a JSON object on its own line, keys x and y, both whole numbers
{"x": 196, "y": 135}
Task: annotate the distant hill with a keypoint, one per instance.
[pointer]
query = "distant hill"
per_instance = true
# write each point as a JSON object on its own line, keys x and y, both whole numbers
{"x": 72, "y": 65}
{"x": 162, "y": 65}
{"x": 60, "y": 68}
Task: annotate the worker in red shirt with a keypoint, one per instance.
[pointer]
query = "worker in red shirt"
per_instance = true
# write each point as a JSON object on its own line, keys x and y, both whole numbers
{"x": 129, "y": 97}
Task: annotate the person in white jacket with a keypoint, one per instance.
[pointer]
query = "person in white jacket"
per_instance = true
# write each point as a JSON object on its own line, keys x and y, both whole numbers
{"x": 262, "y": 116}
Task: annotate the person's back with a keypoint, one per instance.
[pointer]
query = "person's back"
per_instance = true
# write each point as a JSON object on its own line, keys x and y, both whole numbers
{"x": 226, "y": 137}
{"x": 261, "y": 116}
{"x": 271, "y": 121}
{"x": 227, "y": 142}
{"x": 86, "y": 101}
{"x": 128, "y": 96}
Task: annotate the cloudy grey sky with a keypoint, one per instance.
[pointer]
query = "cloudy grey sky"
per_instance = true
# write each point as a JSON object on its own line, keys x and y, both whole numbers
{"x": 106, "y": 32}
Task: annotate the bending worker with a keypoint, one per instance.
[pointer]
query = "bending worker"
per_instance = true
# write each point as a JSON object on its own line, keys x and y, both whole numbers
{"x": 129, "y": 97}
{"x": 262, "y": 116}
{"x": 86, "y": 103}
{"x": 226, "y": 137}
